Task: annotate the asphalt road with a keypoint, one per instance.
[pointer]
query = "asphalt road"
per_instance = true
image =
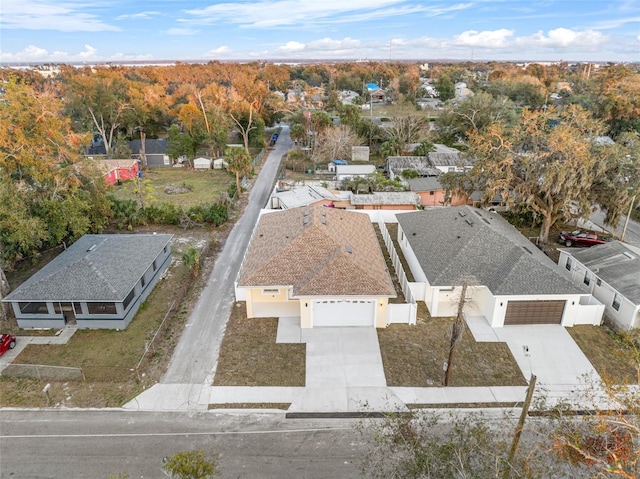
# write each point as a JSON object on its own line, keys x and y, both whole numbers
{"x": 195, "y": 356}
{"x": 632, "y": 235}
{"x": 99, "y": 444}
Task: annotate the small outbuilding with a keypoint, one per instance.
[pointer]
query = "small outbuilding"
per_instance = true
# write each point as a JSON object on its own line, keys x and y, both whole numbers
{"x": 220, "y": 164}
{"x": 202, "y": 163}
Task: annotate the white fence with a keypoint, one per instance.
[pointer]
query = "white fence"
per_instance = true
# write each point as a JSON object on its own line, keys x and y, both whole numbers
{"x": 399, "y": 313}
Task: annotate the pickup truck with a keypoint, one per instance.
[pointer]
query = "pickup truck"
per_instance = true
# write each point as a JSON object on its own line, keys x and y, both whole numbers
{"x": 582, "y": 238}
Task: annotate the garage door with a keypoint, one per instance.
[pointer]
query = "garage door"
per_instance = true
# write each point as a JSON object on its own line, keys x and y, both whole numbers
{"x": 330, "y": 313}
{"x": 534, "y": 312}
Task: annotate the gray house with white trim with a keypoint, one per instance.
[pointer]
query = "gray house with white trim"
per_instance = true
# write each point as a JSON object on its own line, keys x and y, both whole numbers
{"x": 98, "y": 282}
{"x": 611, "y": 271}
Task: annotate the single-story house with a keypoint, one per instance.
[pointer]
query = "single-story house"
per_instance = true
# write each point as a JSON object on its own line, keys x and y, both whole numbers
{"x": 611, "y": 271}
{"x": 514, "y": 282}
{"x": 155, "y": 150}
{"x": 432, "y": 193}
{"x": 202, "y": 163}
{"x": 301, "y": 195}
{"x": 385, "y": 200}
{"x": 347, "y": 172}
{"x": 98, "y": 282}
{"x": 115, "y": 170}
{"x": 323, "y": 265}
{"x": 447, "y": 159}
{"x": 420, "y": 164}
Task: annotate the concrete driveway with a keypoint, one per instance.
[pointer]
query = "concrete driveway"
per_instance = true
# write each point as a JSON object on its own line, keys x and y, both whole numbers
{"x": 548, "y": 351}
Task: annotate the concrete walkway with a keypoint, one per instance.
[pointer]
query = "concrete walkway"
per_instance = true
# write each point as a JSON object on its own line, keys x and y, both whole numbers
{"x": 62, "y": 336}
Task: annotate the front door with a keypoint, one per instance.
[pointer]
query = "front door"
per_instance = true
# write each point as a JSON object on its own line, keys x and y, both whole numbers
{"x": 69, "y": 313}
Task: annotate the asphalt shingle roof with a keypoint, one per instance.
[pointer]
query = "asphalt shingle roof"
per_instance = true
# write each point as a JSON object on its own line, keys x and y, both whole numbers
{"x": 615, "y": 263}
{"x": 492, "y": 251}
{"x": 106, "y": 272}
{"x": 319, "y": 251}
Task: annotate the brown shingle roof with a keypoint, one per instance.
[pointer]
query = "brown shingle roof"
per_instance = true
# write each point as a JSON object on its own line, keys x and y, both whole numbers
{"x": 335, "y": 253}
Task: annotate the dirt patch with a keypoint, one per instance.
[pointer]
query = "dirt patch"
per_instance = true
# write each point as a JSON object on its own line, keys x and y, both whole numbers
{"x": 177, "y": 189}
{"x": 608, "y": 355}
{"x": 249, "y": 355}
{"x": 413, "y": 356}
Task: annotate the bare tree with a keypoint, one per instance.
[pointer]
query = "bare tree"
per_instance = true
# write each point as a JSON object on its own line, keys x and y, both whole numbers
{"x": 334, "y": 143}
{"x": 457, "y": 327}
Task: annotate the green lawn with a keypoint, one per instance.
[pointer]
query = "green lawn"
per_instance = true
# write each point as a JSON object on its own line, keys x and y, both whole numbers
{"x": 205, "y": 185}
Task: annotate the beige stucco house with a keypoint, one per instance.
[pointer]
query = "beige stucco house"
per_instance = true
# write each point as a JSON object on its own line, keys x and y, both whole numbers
{"x": 323, "y": 265}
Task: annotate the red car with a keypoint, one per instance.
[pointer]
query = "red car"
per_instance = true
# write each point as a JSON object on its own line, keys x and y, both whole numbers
{"x": 582, "y": 238}
{"x": 7, "y": 342}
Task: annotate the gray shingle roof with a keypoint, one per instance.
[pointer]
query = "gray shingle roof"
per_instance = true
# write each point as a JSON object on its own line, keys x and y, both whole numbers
{"x": 429, "y": 183}
{"x": 105, "y": 273}
{"x": 386, "y": 198}
{"x": 615, "y": 263}
{"x": 490, "y": 250}
{"x": 421, "y": 164}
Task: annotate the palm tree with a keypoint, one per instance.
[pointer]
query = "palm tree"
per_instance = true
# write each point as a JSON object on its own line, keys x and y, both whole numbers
{"x": 191, "y": 259}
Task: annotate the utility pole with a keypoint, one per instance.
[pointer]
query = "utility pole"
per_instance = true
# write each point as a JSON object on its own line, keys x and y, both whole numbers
{"x": 520, "y": 427}
{"x": 626, "y": 221}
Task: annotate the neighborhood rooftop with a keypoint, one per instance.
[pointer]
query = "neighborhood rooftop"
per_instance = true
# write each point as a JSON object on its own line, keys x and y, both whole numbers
{"x": 96, "y": 267}
{"x": 617, "y": 264}
{"x": 386, "y": 198}
{"x": 457, "y": 242}
{"x": 318, "y": 251}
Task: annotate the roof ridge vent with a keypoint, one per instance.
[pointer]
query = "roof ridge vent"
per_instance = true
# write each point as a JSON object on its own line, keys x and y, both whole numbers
{"x": 305, "y": 221}
{"x": 348, "y": 249}
{"x": 462, "y": 213}
{"x": 323, "y": 221}
{"x": 92, "y": 247}
{"x": 469, "y": 221}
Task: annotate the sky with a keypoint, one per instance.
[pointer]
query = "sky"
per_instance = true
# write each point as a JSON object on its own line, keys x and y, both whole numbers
{"x": 70, "y": 31}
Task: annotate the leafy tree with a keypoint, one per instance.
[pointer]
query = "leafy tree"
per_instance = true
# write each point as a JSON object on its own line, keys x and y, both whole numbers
{"x": 471, "y": 115}
{"x": 190, "y": 465}
{"x": 445, "y": 87}
{"x": 48, "y": 191}
{"x": 98, "y": 101}
{"x": 424, "y": 148}
{"x": 550, "y": 169}
{"x": 298, "y": 133}
{"x": 191, "y": 259}
{"x": 239, "y": 163}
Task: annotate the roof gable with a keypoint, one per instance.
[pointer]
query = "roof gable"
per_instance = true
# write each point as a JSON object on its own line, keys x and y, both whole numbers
{"x": 317, "y": 250}
{"x": 615, "y": 263}
{"x": 94, "y": 268}
{"x": 451, "y": 243}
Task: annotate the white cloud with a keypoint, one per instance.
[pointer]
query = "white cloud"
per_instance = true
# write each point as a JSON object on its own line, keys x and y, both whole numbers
{"x": 220, "y": 52}
{"x": 564, "y": 38}
{"x": 291, "y": 47}
{"x": 486, "y": 39}
{"x": 64, "y": 16}
{"x": 181, "y": 31}
{"x": 638, "y": 38}
{"x": 139, "y": 15}
{"x": 303, "y": 13}
{"x": 33, "y": 53}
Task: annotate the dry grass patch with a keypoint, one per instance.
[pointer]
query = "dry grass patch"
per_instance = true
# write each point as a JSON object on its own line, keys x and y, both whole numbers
{"x": 249, "y": 355}
{"x": 606, "y": 353}
{"x": 413, "y": 357}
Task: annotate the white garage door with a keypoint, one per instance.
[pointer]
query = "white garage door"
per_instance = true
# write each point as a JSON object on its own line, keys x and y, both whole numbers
{"x": 330, "y": 313}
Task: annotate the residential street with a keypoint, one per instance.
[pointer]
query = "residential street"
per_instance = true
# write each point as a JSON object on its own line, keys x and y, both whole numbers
{"x": 632, "y": 235}
{"x": 195, "y": 356}
{"x": 98, "y": 444}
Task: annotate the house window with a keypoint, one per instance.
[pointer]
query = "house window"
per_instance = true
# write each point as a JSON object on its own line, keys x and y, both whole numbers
{"x": 154, "y": 265}
{"x": 569, "y": 264}
{"x": 77, "y": 307}
{"x": 57, "y": 308}
{"x": 166, "y": 248}
{"x": 143, "y": 281}
{"x": 617, "y": 300}
{"x": 33, "y": 308}
{"x": 129, "y": 298}
{"x": 102, "y": 308}
{"x": 598, "y": 282}
{"x": 431, "y": 193}
{"x": 587, "y": 278}
{"x": 270, "y": 291}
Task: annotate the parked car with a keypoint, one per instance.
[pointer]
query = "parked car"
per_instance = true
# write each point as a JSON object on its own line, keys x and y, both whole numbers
{"x": 7, "y": 342}
{"x": 582, "y": 238}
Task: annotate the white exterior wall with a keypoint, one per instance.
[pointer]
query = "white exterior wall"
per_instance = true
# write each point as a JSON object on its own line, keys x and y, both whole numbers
{"x": 626, "y": 317}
